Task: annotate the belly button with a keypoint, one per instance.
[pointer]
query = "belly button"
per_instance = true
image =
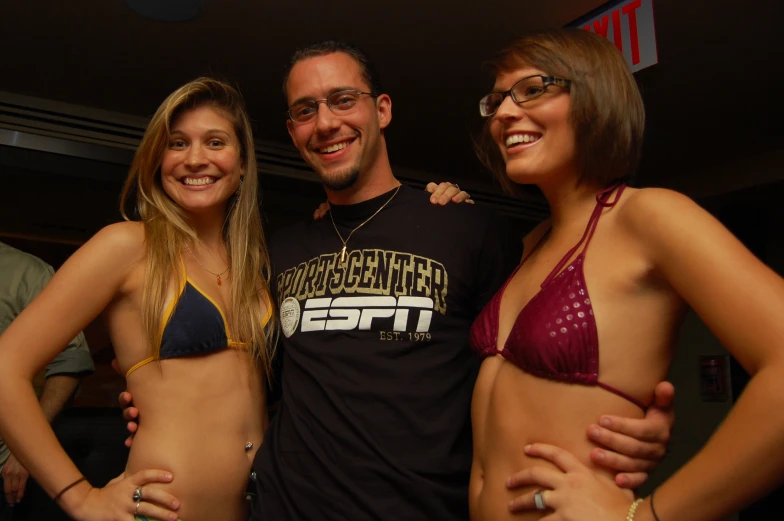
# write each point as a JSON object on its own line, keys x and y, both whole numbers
{"x": 248, "y": 446}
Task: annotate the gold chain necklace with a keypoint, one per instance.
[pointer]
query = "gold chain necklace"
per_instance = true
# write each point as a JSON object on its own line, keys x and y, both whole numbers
{"x": 363, "y": 223}
{"x": 205, "y": 269}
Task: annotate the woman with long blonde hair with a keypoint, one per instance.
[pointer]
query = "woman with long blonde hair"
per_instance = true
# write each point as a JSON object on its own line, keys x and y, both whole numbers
{"x": 183, "y": 287}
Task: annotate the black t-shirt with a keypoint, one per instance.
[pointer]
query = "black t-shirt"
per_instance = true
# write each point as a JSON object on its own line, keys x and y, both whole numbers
{"x": 377, "y": 372}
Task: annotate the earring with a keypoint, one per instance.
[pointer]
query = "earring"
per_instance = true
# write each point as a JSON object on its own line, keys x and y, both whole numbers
{"x": 239, "y": 187}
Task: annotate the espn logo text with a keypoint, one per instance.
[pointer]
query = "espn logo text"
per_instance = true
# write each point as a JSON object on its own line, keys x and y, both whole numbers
{"x": 349, "y": 313}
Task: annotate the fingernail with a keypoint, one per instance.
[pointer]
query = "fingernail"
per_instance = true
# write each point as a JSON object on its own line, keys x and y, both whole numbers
{"x": 527, "y": 448}
{"x": 621, "y": 480}
{"x": 600, "y": 454}
{"x": 168, "y": 475}
{"x": 605, "y": 422}
{"x": 594, "y": 432}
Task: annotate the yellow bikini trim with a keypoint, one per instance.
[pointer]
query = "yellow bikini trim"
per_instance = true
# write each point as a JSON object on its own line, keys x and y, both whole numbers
{"x": 138, "y": 365}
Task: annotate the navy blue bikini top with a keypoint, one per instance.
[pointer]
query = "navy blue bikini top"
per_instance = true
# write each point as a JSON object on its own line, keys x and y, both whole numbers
{"x": 193, "y": 325}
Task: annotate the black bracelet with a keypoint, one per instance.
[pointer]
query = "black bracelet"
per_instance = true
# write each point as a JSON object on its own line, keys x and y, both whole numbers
{"x": 69, "y": 487}
{"x": 653, "y": 510}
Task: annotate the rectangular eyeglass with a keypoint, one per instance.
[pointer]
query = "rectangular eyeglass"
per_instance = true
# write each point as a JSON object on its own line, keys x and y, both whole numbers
{"x": 527, "y": 89}
{"x": 338, "y": 102}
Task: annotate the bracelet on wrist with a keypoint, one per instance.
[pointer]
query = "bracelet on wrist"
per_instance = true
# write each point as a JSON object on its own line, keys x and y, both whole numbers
{"x": 653, "y": 510}
{"x": 633, "y": 509}
{"x": 68, "y": 487}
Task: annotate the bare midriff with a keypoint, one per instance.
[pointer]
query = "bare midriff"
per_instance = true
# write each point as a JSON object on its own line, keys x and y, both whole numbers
{"x": 196, "y": 417}
{"x": 512, "y": 409}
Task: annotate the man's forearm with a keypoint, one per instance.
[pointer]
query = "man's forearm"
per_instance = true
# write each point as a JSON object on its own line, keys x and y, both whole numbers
{"x": 57, "y": 390}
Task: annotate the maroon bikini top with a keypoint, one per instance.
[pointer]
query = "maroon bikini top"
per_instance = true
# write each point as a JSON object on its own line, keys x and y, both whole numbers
{"x": 554, "y": 336}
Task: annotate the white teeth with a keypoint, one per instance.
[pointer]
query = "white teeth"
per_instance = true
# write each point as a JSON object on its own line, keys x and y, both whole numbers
{"x": 521, "y": 138}
{"x": 334, "y": 148}
{"x": 198, "y": 181}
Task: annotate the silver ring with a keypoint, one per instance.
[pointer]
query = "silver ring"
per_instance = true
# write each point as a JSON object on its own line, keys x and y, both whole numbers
{"x": 136, "y": 512}
{"x": 468, "y": 196}
{"x": 539, "y": 500}
{"x": 137, "y": 494}
{"x": 455, "y": 185}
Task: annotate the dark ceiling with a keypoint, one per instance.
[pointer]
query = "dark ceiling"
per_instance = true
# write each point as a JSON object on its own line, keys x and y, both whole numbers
{"x": 711, "y": 99}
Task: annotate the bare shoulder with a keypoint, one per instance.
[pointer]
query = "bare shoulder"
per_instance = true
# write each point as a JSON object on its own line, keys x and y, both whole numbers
{"x": 115, "y": 248}
{"x": 123, "y": 241}
{"x": 672, "y": 227}
{"x": 645, "y": 203}
{"x": 126, "y": 235}
{"x": 647, "y": 211}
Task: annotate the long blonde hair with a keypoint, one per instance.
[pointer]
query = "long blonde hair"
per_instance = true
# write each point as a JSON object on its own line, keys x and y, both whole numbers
{"x": 167, "y": 230}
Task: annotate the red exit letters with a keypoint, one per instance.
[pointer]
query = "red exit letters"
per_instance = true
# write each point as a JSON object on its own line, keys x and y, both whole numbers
{"x": 629, "y": 11}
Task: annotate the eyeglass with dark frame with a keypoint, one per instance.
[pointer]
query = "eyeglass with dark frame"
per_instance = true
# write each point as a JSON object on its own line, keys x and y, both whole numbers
{"x": 338, "y": 102}
{"x": 527, "y": 89}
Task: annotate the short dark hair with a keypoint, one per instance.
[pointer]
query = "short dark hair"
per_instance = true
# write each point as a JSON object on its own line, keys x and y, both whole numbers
{"x": 369, "y": 72}
{"x": 606, "y": 109}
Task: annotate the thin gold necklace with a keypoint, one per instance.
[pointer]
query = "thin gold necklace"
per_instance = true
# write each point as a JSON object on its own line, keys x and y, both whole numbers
{"x": 363, "y": 223}
{"x": 205, "y": 269}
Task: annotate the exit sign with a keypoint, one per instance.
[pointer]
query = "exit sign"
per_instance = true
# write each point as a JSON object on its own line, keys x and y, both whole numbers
{"x": 629, "y": 25}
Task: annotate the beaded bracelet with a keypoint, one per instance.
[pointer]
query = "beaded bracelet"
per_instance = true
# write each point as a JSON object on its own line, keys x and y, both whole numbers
{"x": 69, "y": 487}
{"x": 633, "y": 509}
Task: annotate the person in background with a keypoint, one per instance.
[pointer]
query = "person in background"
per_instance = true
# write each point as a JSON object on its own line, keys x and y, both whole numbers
{"x": 22, "y": 278}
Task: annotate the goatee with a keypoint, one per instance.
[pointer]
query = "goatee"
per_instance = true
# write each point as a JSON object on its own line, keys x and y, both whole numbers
{"x": 341, "y": 181}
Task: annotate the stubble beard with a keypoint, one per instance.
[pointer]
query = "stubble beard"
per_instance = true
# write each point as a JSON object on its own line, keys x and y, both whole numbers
{"x": 341, "y": 180}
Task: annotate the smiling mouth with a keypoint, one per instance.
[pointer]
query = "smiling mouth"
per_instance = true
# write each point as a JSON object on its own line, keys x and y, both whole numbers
{"x": 516, "y": 139}
{"x": 331, "y": 149}
{"x": 198, "y": 181}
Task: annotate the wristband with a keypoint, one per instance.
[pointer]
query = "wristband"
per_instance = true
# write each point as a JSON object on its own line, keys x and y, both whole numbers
{"x": 69, "y": 487}
{"x": 653, "y": 510}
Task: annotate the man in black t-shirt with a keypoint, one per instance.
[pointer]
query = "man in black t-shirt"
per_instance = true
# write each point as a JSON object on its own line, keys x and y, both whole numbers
{"x": 377, "y": 374}
{"x": 375, "y": 303}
